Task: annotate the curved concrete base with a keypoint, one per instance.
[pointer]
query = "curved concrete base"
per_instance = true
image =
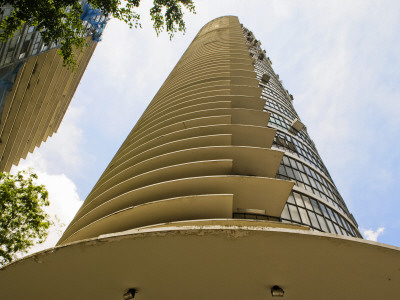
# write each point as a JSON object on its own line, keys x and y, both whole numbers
{"x": 234, "y": 260}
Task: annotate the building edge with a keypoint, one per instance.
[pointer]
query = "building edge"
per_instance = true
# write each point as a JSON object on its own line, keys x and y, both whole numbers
{"x": 233, "y": 259}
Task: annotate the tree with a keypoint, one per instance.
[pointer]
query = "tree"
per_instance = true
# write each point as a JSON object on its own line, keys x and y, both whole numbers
{"x": 59, "y": 20}
{"x": 23, "y": 220}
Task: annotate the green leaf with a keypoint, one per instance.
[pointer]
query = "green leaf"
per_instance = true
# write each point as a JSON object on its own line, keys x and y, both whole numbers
{"x": 23, "y": 220}
{"x": 59, "y": 20}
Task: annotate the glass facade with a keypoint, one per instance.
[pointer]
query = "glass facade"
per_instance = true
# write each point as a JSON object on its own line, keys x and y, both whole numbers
{"x": 27, "y": 41}
{"x": 315, "y": 200}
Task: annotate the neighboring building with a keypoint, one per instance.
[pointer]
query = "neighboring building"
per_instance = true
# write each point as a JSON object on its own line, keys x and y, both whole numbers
{"x": 35, "y": 88}
{"x": 218, "y": 192}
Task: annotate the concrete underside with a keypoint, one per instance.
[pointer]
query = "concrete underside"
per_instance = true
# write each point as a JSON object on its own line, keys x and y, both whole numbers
{"x": 209, "y": 262}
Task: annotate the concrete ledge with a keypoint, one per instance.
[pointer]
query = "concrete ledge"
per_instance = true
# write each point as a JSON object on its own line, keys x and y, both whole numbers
{"x": 215, "y": 261}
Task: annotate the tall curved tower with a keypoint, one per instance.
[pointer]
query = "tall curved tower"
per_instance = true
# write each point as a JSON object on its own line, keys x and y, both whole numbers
{"x": 200, "y": 151}
{"x": 220, "y": 139}
{"x": 218, "y": 192}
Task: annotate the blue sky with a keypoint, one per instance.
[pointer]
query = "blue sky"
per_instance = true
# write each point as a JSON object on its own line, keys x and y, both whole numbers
{"x": 338, "y": 58}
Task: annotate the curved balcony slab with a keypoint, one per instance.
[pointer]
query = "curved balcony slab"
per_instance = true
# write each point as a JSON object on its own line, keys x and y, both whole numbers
{"x": 232, "y": 261}
{"x": 169, "y": 210}
{"x": 242, "y": 135}
{"x": 246, "y": 161}
{"x": 157, "y": 175}
{"x": 250, "y": 192}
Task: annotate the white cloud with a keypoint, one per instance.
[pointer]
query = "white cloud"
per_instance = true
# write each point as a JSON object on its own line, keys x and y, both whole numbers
{"x": 63, "y": 150}
{"x": 64, "y": 147}
{"x": 281, "y": 9}
{"x": 372, "y": 235}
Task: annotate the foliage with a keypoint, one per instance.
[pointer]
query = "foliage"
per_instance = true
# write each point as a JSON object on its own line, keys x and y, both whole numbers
{"x": 59, "y": 20}
{"x": 23, "y": 221}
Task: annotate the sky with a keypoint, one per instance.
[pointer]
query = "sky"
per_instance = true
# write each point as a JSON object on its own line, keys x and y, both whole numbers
{"x": 338, "y": 58}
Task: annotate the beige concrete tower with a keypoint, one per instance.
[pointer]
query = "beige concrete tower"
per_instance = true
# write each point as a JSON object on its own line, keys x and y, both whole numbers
{"x": 201, "y": 150}
{"x": 168, "y": 218}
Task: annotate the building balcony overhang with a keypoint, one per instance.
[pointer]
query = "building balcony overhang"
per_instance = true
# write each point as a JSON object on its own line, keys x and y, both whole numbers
{"x": 219, "y": 259}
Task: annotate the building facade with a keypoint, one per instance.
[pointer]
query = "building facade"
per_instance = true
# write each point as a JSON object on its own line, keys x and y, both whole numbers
{"x": 225, "y": 86}
{"x": 35, "y": 88}
{"x": 314, "y": 200}
{"x": 218, "y": 192}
